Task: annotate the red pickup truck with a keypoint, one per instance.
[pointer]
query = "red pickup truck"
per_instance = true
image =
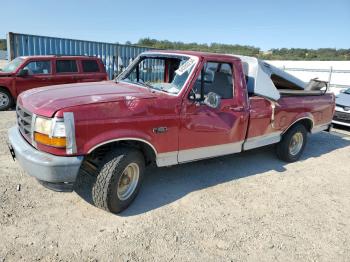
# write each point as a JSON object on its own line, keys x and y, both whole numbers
{"x": 24, "y": 73}
{"x": 167, "y": 108}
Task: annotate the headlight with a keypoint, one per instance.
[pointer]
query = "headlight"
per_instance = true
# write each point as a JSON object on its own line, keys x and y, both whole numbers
{"x": 51, "y": 132}
{"x": 338, "y": 108}
{"x": 43, "y": 125}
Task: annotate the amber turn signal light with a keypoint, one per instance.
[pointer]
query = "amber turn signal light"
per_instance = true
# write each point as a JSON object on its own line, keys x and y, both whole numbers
{"x": 50, "y": 141}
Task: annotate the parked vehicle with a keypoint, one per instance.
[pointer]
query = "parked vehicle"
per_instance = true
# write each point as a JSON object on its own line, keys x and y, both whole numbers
{"x": 342, "y": 108}
{"x": 24, "y": 73}
{"x": 167, "y": 108}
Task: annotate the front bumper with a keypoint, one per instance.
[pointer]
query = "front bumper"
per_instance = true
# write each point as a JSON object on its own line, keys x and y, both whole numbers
{"x": 341, "y": 117}
{"x": 55, "y": 172}
{"x": 341, "y": 123}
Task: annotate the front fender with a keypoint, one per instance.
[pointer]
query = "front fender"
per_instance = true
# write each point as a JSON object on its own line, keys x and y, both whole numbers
{"x": 117, "y": 135}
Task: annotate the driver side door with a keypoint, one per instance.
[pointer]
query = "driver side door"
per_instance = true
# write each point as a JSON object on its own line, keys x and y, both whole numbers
{"x": 207, "y": 132}
{"x": 39, "y": 74}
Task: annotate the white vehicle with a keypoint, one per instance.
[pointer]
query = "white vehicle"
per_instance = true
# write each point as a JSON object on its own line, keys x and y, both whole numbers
{"x": 342, "y": 108}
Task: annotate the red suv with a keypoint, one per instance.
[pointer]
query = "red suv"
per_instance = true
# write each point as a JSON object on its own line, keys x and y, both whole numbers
{"x": 29, "y": 72}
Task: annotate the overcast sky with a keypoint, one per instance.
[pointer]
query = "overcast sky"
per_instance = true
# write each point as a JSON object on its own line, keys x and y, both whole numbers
{"x": 265, "y": 24}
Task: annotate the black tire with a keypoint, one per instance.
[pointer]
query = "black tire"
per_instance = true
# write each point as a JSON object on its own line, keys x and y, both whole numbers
{"x": 283, "y": 149}
{"x": 6, "y": 99}
{"x": 104, "y": 191}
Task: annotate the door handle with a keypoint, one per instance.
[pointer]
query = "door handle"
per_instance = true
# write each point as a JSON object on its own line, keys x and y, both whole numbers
{"x": 235, "y": 108}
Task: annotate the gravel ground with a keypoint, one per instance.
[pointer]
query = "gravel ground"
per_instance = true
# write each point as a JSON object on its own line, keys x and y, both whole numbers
{"x": 244, "y": 207}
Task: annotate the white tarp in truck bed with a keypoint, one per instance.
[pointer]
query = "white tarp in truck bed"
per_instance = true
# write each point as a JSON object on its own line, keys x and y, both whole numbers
{"x": 259, "y": 75}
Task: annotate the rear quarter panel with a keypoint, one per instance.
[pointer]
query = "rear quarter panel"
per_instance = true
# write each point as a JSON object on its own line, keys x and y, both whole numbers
{"x": 288, "y": 110}
{"x": 319, "y": 109}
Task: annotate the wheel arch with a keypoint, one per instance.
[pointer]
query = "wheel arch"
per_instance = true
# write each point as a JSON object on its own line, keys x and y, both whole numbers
{"x": 8, "y": 90}
{"x": 147, "y": 149}
{"x": 306, "y": 121}
{"x": 13, "y": 97}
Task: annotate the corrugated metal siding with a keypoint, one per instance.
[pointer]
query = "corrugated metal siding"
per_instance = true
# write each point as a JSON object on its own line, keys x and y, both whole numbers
{"x": 114, "y": 56}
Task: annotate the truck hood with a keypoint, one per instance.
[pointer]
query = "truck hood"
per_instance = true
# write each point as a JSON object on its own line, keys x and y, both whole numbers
{"x": 45, "y": 101}
{"x": 343, "y": 99}
{"x": 3, "y": 74}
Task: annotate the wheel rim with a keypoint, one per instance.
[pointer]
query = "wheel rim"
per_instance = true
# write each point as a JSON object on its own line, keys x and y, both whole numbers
{"x": 128, "y": 181}
{"x": 296, "y": 143}
{"x": 4, "y": 100}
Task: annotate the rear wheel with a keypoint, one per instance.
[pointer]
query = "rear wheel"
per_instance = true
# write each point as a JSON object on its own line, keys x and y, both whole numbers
{"x": 292, "y": 144}
{"x": 6, "y": 100}
{"x": 119, "y": 179}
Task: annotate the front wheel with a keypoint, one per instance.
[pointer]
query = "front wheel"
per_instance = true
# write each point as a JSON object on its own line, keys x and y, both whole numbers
{"x": 118, "y": 180}
{"x": 6, "y": 100}
{"x": 292, "y": 145}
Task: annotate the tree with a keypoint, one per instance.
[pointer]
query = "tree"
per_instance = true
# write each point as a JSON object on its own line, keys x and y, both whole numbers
{"x": 273, "y": 54}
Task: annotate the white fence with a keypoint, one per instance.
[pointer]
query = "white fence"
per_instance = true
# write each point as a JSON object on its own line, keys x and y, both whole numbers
{"x": 337, "y": 73}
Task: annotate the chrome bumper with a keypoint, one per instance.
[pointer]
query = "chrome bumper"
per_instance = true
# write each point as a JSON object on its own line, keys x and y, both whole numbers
{"x": 55, "y": 172}
{"x": 341, "y": 123}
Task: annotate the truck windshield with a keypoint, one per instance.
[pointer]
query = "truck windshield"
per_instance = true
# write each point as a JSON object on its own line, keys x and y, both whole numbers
{"x": 13, "y": 65}
{"x": 167, "y": 73}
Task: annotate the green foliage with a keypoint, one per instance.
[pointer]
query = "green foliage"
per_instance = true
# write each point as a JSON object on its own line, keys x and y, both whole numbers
{"x": 3, "y": 44}
{"x": 273, "y": 54}
{"x": 213, "y": 47}
{"x": 311, "y": 54}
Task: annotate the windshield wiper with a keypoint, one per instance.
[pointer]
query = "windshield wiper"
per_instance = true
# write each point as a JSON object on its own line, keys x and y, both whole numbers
{"x": 146, "y": 85}
{"x": 164, "y": 90}
{"x": 149, "y": 87}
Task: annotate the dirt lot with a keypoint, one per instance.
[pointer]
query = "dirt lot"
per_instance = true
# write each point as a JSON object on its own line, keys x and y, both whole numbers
{"x": 245, "y": 207}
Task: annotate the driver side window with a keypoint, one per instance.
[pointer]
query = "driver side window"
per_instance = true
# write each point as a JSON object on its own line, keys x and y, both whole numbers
{"x": 215, "y": 77}
{"x": 38, "y": 68}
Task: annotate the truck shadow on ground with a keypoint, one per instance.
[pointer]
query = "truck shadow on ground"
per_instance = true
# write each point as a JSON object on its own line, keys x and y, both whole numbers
{"x": 162, "y": 186}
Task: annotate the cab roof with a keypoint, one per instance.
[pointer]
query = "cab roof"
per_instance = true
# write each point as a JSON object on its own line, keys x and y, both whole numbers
{"x": 194, "y": 53}
{"x": 60, "y": 56}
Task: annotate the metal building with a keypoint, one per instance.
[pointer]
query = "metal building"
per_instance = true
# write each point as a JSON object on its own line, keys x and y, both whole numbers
{"x": 114, "y": 56}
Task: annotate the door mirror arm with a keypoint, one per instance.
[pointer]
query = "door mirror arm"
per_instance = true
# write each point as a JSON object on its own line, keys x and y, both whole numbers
{"x": 192, "y": 96}
{"x": 23, "y": 73}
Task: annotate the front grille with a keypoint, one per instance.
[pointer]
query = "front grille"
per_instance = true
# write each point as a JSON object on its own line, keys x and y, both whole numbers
{"x": 342, "y": 117}
{"x": 24, "y": 121}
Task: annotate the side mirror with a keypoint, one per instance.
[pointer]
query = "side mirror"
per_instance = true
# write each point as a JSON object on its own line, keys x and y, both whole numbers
{"x": 213, "y": 100}
{"x": 23, "y": 73}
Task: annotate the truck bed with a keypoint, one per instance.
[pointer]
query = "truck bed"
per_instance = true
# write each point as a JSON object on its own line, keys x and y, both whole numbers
{"x": 264, "y": 129}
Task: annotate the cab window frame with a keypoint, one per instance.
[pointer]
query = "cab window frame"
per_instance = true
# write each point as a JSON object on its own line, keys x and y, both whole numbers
{"x": 83, "y": 61}
{"x": 201, "y": 77}
{"x": 69, "y": 72}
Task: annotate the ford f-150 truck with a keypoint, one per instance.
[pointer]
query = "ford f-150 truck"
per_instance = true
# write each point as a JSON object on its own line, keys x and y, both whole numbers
{"x": 167, "y": 108}
{"x": 27, "y": 72}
